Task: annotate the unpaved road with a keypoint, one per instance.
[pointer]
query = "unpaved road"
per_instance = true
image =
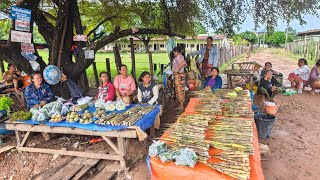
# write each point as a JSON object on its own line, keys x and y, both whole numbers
{"x": 294, "y": 146}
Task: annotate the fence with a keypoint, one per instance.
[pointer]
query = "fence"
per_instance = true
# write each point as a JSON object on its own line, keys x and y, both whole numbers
{"x": 309, "y": 49}
{"x": 227, "y": 54}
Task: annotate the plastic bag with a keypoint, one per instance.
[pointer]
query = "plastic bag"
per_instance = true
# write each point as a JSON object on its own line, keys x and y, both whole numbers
{"x": 84, "y": 100}
{"x": 74, "y": 89}
{"x": 120, "y": 105}
{"x": 99, "y": 103}
{"x": 156, "y": 148}
{"x": 109, "y": 106}
{"x": 187, "y": 157}
{"x": 64, "y": 110}
{"x": 53, "y": 111}
{"x": 40, "y": 115}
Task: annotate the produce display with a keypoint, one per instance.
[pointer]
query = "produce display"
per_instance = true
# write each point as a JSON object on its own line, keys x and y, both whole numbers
{"x": 6, "y": 103}
{"x": 78, "y": 108}
{"x": 120, "y": 106}
{"x": 110, "y": 106}
{"x": 224, "y": 122}
{"x": 56, "y": 118}
{"x": 20, "y": 116}
{"x": 99, "y": 113}
{"x": 86, "y": 118}
{"x": 104, "y": 120}
{"x": 72, "y": 117}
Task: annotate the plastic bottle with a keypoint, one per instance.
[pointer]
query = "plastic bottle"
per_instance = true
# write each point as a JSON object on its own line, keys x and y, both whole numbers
{"x": 300, "y": 87}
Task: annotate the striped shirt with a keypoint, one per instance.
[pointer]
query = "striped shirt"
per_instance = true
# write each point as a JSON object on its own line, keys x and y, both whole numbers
{"x": 303, "y": 72}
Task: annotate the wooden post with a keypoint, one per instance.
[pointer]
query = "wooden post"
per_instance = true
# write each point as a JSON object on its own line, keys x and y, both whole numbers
{"x": 95, "y": 74}
{"x": 150, "y": 63}
{"x": 117, "y": 58}
{"x": 108, "y": 68}
{"x": 133, "y": 60}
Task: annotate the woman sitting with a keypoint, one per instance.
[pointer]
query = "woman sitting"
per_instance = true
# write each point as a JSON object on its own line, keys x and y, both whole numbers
{"x": 269, "y": 86}
{"x": 300, "y": 75}
{"x": 214, "y": 81}
{"x": 268, "y": 67}
{"x": 12, "y": 79}
{"x": 37, "y": 94}
{"x": 314, "y": 79}
{"x": 147, "y": 90}
{"x": 106, "y": 90}
{"x": 124, "y": 84}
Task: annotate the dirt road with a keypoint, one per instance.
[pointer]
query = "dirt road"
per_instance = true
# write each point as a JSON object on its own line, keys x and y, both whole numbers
{"x": 294, "y": 146}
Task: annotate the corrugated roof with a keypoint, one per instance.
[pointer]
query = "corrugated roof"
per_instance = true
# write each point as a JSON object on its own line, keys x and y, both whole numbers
{"x": 310, "y": 32}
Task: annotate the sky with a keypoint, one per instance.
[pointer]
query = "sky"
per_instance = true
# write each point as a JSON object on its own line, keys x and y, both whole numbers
{"x": 312, "y": 23}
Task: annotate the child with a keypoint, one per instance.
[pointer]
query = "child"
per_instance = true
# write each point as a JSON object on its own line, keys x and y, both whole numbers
{"x": 147, "y": 90}
{"x": 106, "y": 90}
{"x": 300, "y": 75}
{"x": 269, "y": 86}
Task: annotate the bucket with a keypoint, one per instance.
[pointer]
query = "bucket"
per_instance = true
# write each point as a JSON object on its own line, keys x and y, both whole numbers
{"x": 192, "y": 85}
{"x": 264, "y": 123}
{"x": 271, "y": 108}
{"x": 191, "y": 75}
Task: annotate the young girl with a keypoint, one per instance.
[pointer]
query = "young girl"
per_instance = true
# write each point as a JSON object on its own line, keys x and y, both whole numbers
{"x": 106, "y": 89}
{"x": 178, "y": 65}
{"x": 147, "y": 90}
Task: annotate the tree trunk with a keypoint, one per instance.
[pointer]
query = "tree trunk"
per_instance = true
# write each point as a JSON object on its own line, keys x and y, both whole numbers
{"x": 133, "y": 60}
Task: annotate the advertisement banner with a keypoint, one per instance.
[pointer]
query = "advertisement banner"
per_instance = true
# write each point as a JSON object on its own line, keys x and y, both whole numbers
{"x": 20, "y": 13}
{"x": 27, "y": 48}
{"x": 22, "y": 25}
{"x": 17, "y": 36}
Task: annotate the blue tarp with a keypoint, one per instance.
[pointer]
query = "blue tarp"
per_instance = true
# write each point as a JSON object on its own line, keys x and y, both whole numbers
{"x": 144, "y": 123}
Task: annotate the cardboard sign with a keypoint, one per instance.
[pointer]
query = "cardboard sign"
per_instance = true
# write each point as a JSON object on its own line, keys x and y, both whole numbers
{"x": 20, "y": 13}
{"x": 80, "y": 37}
{"x": 22, "y": 25}
{"x": 17, "y": 36}
{"x": 27, "y": 48}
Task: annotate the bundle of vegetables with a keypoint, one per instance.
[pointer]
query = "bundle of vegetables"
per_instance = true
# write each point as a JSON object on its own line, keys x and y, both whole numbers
{"x": 244, "y": 95}
{"x": 232, "y": 134}
{"x": 156, "y": 148}
{"x": 232, "y": 95}
{"x": 118, "y": 119}
{"x": 209, "y": 107}
{"x": 6, "y": 103}
{"x": 186, "y": 157}
{"x": 104, "y": 119}
{"x": 131, "y": 119}
{"x": 147, "y": 109}
{"x": 237, "y": 108}
{"x": 78, "y": 108}
{"x": 20, "y": 116}
{"x": 235, "y": 164}
{"x": 40, "y": 115}
{"x": 190, "y": 132}
{"x": 56, "y": 105}
{"x": 238, "y": 89}
{"x": 135, "y": 109}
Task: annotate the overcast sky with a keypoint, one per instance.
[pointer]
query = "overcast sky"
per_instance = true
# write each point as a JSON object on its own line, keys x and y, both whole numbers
{"x": 312, "y": 23}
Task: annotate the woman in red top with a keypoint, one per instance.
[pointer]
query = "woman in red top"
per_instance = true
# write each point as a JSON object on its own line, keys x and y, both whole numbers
{"x": 106, "y": 89}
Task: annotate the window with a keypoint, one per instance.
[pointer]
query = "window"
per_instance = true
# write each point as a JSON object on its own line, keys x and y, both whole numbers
{"x": 192, "y": 45}
{"x": 162, "y": 45}
{"x": 128, "y": 45}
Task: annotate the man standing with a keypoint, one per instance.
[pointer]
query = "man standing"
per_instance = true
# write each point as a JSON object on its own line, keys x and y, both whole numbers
{"x": 209, "y": 57}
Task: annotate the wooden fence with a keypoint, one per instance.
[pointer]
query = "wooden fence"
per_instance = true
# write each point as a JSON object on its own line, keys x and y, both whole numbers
{"x": 309, "y": 49}
{"x": 227, "y": 54}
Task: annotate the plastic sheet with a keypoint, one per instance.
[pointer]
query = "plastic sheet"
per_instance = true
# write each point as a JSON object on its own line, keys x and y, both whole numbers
{"x": 144, "y": 123}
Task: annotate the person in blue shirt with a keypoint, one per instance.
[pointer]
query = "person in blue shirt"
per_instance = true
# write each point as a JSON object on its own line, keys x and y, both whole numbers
{"x": 214, "y": 81}
{"x": 208, "y": 57}
{"x": 38, "y": 93}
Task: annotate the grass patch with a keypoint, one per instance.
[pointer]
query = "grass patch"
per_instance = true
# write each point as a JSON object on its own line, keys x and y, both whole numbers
{"x": 289, "y": 55}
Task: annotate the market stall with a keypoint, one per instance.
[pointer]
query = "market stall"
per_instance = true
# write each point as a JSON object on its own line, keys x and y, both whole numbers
{"x": 222, "y": 133}
{"x": 124, "y": 124}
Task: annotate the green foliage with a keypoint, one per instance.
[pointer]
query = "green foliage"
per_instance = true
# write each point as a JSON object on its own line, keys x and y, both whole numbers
{"x": 37, "y": 37}
{"x": 250, "y": 37}
{"x": 238, "y": 39}
{"x": 20, "y": 116}
{"x": 277, "y": 38}
{"x": 6, "y": 103}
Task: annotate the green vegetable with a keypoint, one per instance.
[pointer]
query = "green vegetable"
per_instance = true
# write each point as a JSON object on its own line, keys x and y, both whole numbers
{"x": 20, "y": 115}
{"x": 6, "y": 103}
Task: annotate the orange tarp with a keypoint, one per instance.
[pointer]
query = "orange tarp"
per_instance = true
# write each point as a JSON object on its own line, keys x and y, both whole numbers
{"x": 170, "y": 171}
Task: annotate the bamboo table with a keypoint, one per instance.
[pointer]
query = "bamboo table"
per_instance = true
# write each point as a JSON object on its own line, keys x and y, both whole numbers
{"x": 250, "y": 75}
{"x": 120, "y": 148}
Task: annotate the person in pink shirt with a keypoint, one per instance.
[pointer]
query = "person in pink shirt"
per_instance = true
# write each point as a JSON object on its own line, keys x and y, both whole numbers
{"x": 124, "y": 84}
{"x": 106, "y": 89}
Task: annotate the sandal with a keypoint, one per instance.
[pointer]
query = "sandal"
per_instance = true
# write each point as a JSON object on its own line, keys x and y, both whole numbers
{"x": 312, "y": 93}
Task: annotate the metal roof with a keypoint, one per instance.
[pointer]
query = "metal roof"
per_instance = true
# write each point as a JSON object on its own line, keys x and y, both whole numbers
{"x": 310, "y": 32}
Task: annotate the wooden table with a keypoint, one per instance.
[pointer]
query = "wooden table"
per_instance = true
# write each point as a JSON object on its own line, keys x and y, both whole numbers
{"x": 120, "y": 148}
{"x": 230, "y": 75}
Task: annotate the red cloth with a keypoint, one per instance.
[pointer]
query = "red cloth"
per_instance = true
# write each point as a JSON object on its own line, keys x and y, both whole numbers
{"x": 297, "y": 79}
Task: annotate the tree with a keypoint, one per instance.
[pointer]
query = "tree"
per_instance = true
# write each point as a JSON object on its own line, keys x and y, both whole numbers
{"x": 249, "y": 36}
{"x": 277, "y": 38}
{"x": 105, "y": 21}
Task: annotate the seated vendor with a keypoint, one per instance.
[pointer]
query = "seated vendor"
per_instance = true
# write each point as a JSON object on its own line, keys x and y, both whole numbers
{"x": 314, "y": 79}
{"x": 12, "y": 80}
{"x": 106, "y": 89}
{"x": 268, "y": 67}
{"x": 124, "y": 84}
{"x": 147, "y": 90}
{"x": 300, "y": 75}
{"x": 38, "y": 93}
{"x": 269, "y": 86}
{"x": 214, "y": 81}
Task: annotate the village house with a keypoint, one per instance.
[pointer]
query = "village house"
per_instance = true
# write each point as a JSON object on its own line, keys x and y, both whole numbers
{"x": 159, "y": 44}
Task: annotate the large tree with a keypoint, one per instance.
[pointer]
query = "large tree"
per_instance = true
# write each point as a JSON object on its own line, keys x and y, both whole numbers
{"x": 105, "y": 21}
